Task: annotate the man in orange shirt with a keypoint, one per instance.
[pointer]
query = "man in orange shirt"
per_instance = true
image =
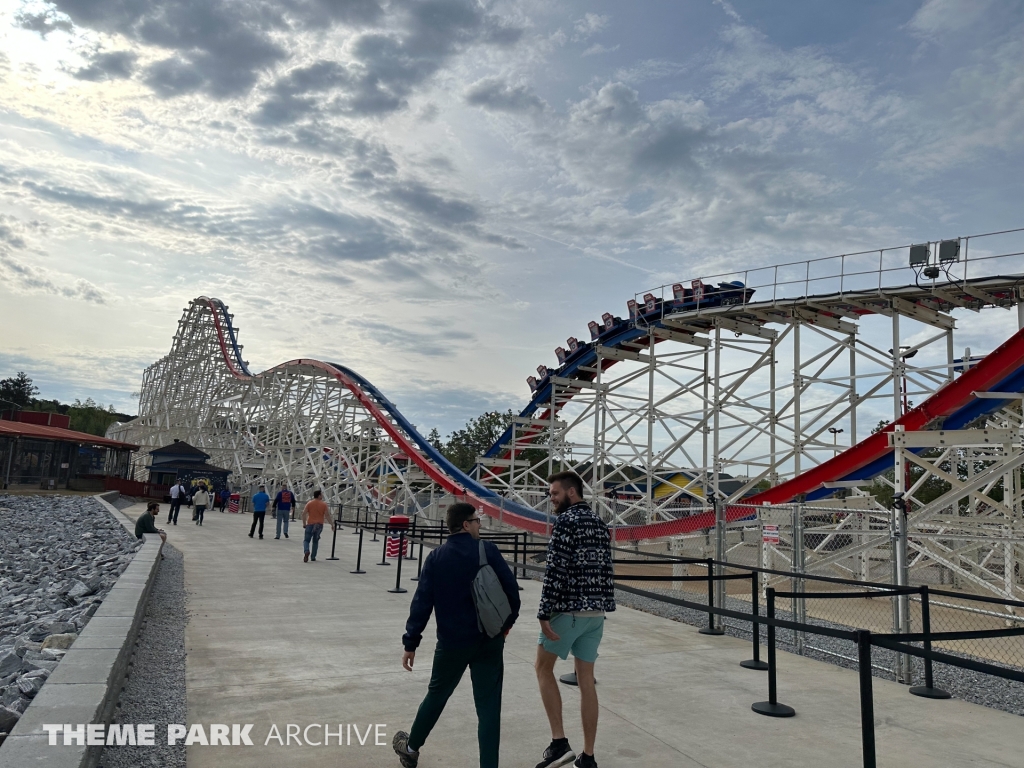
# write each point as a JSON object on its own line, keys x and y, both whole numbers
{"x": 314, "y": 514}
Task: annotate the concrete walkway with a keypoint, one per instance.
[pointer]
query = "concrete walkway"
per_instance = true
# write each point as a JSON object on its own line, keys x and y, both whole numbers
{"x": 272, "y": 640}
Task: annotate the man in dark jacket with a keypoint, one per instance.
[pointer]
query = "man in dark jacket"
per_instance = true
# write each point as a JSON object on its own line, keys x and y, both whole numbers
{"x": 446, "y": 589}
{"x": 579, "y": 589}
{"x": 146, "y": 523}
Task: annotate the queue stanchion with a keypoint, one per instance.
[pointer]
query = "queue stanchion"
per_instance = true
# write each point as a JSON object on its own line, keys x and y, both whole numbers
{"x": 356, "y": 529}
{"x": 412, "y": 539}
{"x": 867, "y": 699}
{"x": 928, "y": 690}
{"x": 711, "y": 629}
{"x": 755, "y": 627}
{"x": 334, "y": 541}
{"x": 419, "y": 563}
{"x": 376, "y": 521}
{"x": 384, "y": 549}
{"x": 772, "y": 707}
{"x": 515, "y": 562}
{"x": 398, "y": 571}
{"x": 359, "y": 555}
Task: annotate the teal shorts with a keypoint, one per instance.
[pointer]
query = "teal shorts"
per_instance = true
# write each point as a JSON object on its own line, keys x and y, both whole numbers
{"x": 579, "y": 634}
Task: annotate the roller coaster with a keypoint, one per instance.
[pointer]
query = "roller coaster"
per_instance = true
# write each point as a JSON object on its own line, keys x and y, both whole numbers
{"x": 706, "y": 405}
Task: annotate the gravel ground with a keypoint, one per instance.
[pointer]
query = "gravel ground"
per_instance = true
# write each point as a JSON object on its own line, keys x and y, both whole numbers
{"x": 977, "y": 688}
{"x": 59, "y": 556}
{"x": 155, "y": 689}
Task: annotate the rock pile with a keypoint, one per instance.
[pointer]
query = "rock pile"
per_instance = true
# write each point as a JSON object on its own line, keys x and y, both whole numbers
{"x": 59, "y": 556}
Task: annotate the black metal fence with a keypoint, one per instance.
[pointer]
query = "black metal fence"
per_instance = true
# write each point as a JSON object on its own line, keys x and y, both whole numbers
{"x": 745, "y": 591}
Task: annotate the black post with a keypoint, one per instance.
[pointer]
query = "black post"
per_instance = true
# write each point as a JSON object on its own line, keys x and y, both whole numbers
{"x": 928, "y": 690}
{"x": 359, "y": 555}
{"x": 515, "y": 561}
{"x": 356, "y": 529}
{"x": 755, "y": 627}
{"x": 384, "y": 551}
{"x": 772, "y": 708}
{"x": 398, "y": 571}
{"x": 376, "y": 522}
{"x": 419, "y": 564}
{"x": 334, "y": 541}
{"x": 710, "y": 629}
{"x": 412, "y": 539}
{"x": 867, "y": 700}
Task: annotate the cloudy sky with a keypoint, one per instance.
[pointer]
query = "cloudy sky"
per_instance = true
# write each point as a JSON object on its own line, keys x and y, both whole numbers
{"x": 439, "y": 192}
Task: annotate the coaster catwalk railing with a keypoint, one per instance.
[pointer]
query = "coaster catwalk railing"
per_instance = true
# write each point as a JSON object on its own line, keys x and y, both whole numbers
{"x": 635, "y": 566}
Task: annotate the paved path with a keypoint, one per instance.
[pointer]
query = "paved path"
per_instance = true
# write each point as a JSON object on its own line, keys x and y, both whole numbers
{"x": 273, "y": 640}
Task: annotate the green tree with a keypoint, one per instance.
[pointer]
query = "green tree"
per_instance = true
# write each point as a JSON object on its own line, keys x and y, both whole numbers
{"x": 479, "y": 434}
{"x": 91, "y": 417}
{"x": 17, "y": 390}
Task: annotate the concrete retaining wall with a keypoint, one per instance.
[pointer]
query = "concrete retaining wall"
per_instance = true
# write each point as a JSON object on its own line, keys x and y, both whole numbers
{"x": 85, "y": 686}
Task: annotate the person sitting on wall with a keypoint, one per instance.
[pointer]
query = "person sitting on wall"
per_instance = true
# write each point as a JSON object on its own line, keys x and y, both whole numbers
{"x": 147, "y": 524}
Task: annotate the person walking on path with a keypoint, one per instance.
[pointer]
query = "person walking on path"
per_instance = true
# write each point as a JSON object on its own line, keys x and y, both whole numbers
{"x": 283, "y": 503}
{"x": 177, "y": 496}
{"x": 146, "y": 522}
{"x": 259, "y": 510}
{"x": 446, "y": 588}
{"x": 314, "y": 514}
{"x": 202, "y": 500}
{"x": 578, "y": 590}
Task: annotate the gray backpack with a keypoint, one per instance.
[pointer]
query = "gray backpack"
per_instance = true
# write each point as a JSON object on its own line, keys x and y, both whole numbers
{"x": 492, "y": 608}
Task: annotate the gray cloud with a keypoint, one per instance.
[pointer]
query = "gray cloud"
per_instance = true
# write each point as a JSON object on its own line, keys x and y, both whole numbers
{"x": 493, "y": 93}
{"x": 35, "y": 279}
{"x": 438, "y": 342}
{"x": 114, "y": 65}
{"x": 44, "y": 22}
{"x": 220, "y": 46}
{"x": 386, "y": 66}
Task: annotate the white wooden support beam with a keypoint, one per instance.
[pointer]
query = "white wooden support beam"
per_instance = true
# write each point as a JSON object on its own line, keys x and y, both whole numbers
{"x": 977, "y": 293}
{"x": 682, "y": 338}
{"x": 613, "y": 353}
{"x": 878, "y": 309}
{"x": 942, "y": 438}
{"x": 833, "y": 310}
{"x": 577, "y": 383}
{"x": 826, "y": 321}
{"x": 956, "y": 301}
{"x": 748, "y": 329}
{"x": 925, "y": 315}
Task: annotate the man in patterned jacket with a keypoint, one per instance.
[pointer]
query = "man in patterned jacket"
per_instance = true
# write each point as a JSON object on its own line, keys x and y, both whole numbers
{"x": 579, "y": 589}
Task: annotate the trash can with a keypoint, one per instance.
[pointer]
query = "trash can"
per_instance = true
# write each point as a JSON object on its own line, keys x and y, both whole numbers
{"x": 396, "y": 524}
{"x": 233, "y": 501}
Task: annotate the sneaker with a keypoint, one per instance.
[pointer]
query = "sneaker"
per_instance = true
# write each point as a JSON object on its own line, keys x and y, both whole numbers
{"x": 585, "y": 761}
{"x": 250, "y": 536}
{"x": 558, "y": 753}
{"x": 405, "y": 757}
{"x": 277, "y": 537}
{"x": 261, "y": 536}
{"x": 312, "y": 559}
{"x": 305, "y": 557}
{"x": 286, "y": 535}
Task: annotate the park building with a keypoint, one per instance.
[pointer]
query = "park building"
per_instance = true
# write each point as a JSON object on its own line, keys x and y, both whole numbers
{"x": 39, "y": 450}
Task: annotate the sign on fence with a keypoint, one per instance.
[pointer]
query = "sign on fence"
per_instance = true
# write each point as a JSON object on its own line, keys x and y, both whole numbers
{"x": 770, "y": 534}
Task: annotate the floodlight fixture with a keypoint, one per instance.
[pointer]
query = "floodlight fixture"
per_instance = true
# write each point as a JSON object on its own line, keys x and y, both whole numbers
{"x": 949, "y": 250}
{"x": 920, "y": 254}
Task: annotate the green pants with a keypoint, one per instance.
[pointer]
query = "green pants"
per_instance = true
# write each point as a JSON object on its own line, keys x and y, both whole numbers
{"x": 486, "y": 669}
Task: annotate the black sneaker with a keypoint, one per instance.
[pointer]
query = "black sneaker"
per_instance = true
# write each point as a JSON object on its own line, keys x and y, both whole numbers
{"x": 558, "y": 753}
{"x": 405, "y": 757}
{"x": 585, "y": 761}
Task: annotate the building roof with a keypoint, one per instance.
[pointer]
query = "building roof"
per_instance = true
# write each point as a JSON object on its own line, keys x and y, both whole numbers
{"x": 179, "y": 448}
{"x": 185, "y": 465}
{"x": 44, "y": 432}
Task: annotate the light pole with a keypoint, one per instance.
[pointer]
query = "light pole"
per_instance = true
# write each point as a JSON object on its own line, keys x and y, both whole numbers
{"x": 834, "y": 432}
